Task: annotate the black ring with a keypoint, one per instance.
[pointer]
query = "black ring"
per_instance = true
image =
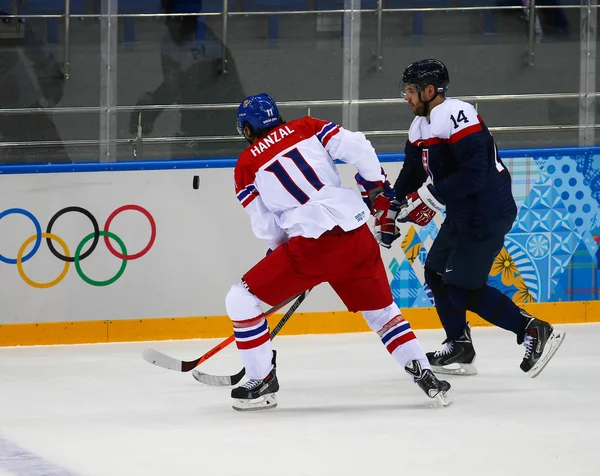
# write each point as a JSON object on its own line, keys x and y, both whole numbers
{"x": 94, "y": 224}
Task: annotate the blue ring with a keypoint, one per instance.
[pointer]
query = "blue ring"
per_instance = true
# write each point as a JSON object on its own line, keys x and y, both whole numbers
{"x": 38, "y": 230}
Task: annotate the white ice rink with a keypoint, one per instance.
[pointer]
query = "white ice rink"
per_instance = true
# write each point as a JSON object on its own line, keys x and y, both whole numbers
{"x": 345, "y": 408}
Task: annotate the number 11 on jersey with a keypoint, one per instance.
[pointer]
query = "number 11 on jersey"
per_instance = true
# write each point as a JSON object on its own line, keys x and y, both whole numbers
{"x": 279, "y": 171}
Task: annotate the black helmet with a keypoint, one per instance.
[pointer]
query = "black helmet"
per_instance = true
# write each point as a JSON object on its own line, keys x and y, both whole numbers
{"x": 427, "y": 71}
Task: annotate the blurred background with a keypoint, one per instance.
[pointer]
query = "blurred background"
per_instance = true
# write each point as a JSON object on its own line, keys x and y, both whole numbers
{"x": 121, "y": 80}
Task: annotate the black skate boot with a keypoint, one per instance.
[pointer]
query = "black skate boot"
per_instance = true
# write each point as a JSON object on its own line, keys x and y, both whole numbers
{"x": 541, "y": 342}
{"x": 457, "y": 356}
{"x": 428, "y": 382}
{"x": 257, "y": 394}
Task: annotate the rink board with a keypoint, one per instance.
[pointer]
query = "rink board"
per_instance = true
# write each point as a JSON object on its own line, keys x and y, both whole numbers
{"x": 335, "y": 322}
{"x": 138, "y": 254}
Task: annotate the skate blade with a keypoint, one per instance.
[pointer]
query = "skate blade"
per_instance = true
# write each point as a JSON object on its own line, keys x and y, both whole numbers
{"x": 264, "y": 402}
{"x": 455, "y": 369}
{"x": 554, "y": 342}
{"x": 443, "y": 399}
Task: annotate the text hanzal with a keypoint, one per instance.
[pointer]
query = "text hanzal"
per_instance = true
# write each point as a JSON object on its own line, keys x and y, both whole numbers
{"x": 270, "y": 139}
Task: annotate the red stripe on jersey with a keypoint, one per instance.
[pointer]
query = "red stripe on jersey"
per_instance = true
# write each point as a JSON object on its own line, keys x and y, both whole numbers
{"x": 464, "y": 133}
{"x": 429, "y": 142}
{"x": 252, "y": 344}
{"x": 330, "y": 134}
{"x": 392, "y": 346}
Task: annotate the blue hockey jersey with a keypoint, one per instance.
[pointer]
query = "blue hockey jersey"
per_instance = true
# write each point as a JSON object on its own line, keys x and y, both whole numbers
{"x": 457, "y": 152}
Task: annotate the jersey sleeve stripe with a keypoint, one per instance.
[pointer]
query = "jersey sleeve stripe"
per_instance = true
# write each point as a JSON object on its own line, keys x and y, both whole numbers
{"x": 247, "y": 194}
{"x": 326, "y": 128}
{"x": 327, "y": 131}
{"x": 429, "y": 142}
{"x": 245, "y": 191}
{"x": 464, "y": 133}
{"x": 329, "y": 135}
{"x": 248, "y": 199}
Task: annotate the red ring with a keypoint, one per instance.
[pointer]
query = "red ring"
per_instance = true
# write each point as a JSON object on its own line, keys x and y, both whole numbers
{"x": 152, "y": 233}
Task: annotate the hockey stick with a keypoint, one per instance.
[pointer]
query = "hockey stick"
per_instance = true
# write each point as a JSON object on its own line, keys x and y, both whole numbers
{"x": 161, "y": 360}
{"x": 226, "y": 380}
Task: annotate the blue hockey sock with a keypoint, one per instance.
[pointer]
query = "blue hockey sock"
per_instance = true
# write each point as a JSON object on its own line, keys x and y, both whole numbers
{"x": 492, "y": 305}
{"x": 452, "y": 317}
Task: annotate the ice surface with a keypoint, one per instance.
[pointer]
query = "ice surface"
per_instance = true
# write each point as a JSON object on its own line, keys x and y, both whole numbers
{"x": 345, "y": 408}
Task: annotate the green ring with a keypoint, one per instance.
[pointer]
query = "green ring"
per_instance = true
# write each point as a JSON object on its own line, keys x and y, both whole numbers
{"x": 78, "y": 252}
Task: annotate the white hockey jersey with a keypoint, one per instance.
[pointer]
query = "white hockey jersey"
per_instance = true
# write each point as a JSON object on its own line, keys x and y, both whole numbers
{"x": 289, "y": 185}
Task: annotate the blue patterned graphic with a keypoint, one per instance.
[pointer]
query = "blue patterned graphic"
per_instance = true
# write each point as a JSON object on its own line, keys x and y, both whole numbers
{"x": 552, "y": 252}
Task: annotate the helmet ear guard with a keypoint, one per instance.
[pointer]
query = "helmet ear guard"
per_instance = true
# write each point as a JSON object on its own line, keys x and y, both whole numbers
{"x": 240, "y": 127}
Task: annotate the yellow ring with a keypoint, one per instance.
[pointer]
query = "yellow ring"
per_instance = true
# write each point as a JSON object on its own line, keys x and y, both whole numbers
{"x": 20, "y": 262}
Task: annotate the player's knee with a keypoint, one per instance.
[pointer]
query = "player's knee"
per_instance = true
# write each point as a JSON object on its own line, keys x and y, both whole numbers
{"x": 240, "y": 303}
{"x": 434, "y": 280}
{"x": 379, "y": 318}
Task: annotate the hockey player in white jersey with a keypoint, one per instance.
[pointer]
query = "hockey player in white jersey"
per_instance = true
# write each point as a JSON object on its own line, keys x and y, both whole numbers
{"x": 317, "y": 230}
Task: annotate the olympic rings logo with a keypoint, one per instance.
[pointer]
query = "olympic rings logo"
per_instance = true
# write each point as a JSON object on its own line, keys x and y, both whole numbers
{"x": 78, "y": 257}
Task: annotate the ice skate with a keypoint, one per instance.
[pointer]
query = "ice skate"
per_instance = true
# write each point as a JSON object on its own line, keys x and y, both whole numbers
{"x": 428, "y": 382}
{"x": 257, "y": 394}
{"x": 541, "y": 342}
{"x": 457, "y": 356}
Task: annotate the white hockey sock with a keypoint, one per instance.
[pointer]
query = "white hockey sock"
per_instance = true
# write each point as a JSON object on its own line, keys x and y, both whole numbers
{"x": 397, "y": 335}
{"x": 401, "y": 342}
{"x": 251, "y": 331}
{"x": 253, "y": 341}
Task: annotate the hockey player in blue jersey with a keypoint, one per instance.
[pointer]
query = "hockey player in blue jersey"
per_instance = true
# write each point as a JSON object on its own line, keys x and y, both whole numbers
{"x": 452, "y": 162}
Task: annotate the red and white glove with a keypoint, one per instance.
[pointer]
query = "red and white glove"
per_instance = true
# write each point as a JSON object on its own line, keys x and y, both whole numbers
{"x": 380, "y": 198}
{"x": 386, "y": 230}
{"x": 376, "y": 195}
{"x": 420, "y": 207}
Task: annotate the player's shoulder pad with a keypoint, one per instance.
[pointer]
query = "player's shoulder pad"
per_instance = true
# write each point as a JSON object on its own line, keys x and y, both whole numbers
{"x": 244, "y": 157}
{"x": 415, "y": 133}
{"x": 322, "y": 130}
{"x": 454, "y": 119}
{"x": 246, "y": 163}
{"x": 312, "y": 123}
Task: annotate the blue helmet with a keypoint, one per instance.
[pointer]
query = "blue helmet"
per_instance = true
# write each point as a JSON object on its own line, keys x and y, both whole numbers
{"x": 260, "y": 112}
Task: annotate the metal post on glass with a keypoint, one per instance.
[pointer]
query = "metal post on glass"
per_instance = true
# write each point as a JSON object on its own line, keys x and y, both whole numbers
{"x": 379, "y": 35}
{"x": 532, "y": 15}
{"x": 67, "y": 41}
{"x": 224, "y": 41}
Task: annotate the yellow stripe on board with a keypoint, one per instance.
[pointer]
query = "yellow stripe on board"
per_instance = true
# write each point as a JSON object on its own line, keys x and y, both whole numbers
{"x": 131, "y": 330}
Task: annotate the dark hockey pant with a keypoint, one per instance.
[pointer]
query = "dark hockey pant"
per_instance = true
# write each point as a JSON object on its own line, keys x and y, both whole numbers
{"x": 456, "y": 270}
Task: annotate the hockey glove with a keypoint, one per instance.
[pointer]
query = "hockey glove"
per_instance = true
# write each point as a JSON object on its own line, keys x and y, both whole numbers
{"x": 421, "y": 206}
{"x": 376, "y": 195}
{"x": 386, "y": 230}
